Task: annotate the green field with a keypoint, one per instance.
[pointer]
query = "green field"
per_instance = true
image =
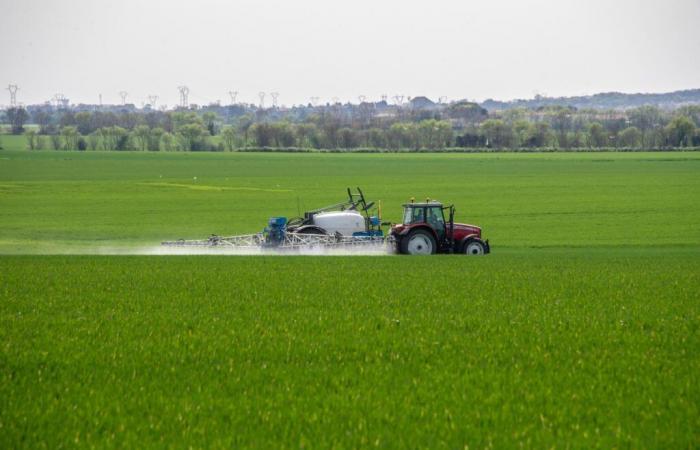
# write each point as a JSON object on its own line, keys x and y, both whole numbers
{"x": 72, "y": 201}
{"x": 580, "y": 330}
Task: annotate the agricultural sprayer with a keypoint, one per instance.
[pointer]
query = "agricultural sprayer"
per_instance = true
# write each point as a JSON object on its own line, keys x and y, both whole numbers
{"x": 356, "y": 223}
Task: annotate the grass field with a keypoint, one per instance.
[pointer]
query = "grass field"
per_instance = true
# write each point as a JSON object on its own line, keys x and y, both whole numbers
{"x": 581, "y": 329}
{"x": 72, "y": 201}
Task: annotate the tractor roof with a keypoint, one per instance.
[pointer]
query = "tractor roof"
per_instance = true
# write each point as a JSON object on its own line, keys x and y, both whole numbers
{"x": 422, "y": 204}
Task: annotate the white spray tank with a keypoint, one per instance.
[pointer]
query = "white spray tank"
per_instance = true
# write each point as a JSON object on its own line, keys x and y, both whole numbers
{"x": 343, "y": 222}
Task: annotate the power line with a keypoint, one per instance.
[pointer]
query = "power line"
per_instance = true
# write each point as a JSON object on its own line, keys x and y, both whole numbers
{"x": 233, "y": 95}
{"x": 184, "y": 94}
{"x": 60, "y": 100}
{"x": 13, "y": 88}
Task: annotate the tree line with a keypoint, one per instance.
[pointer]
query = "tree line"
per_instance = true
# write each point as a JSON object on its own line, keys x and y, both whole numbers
{"x": 461, "y": 125}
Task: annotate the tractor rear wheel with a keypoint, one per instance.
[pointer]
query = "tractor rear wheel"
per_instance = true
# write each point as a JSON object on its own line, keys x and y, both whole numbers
{"x": 474, "y": 247}
{"x": 418, "y": 242}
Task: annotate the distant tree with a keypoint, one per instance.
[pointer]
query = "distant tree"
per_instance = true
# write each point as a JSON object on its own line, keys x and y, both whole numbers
{"x": 193, "y": 136}
{"x": 680, "y": 131}
{"x": 575, "y": 139}
{"x": 142, "y": 137}
{"x": 403, "y": 135}
{"x": 615, "y": 124}
{"x": 645, "y": 118}
{"x": 434, "y": 134}
{"x": 330, "y": 125}
{"x": 130, "y": 120}
{"x": 394, "y": 136}
{"x": 597, "y": 137}
{"x": 168, "y": 142}
{"x": 283, "y": 135}
{"x": 66, "y": 118}
{"x": 262, "y": 134}
{"x": 182, "y": 118}
{"x": 154, "y": 119}
{"x": 105, "y": 119}
{"x": 43, "y": 119}
{"x": 211, "y": 120}
{"x": 521, "y": 131}
{"x": 31, "y": 136}
{"x": 692, "y": 112}
{"x": 539, "y": 136}
{"x": 347, "y": 138}
{"x": 55, "y": 141}
{"x": 630, "y": 137}
{"x": 470, "y": 139}
{"x": 93, "y": 140}
{"x": 498, "y": 133}
{"x": 104, "y": 138}
{"x": 41, "y": 142}
{"x": 83, "y": 122}
{"x": 306, "y": 134}
{"x": 377, "y": 138}
{"x": 114, "y": 138}
{"x": 467, "y": 111}
{"x": 154, "y": 138}
{"x": 70, "y": 137}
{"x": 228, "y": 137}
{"x": 362, "y": 137}
{"x": 17, "y": 117}
{"x": 245, "y": 122}
{"x": 562, "y": 124}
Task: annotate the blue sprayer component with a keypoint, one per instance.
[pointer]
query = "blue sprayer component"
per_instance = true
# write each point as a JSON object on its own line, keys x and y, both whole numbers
{"x": 275, "y": 231}
{"x": 369, "y": 234}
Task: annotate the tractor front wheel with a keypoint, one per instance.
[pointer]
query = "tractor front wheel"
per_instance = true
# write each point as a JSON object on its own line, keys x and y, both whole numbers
{"x": 474, "y": 247}
{"x": 418, "y": 242}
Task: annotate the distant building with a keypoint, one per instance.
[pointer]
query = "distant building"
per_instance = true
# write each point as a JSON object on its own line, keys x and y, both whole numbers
{"x": 422, "y": 103}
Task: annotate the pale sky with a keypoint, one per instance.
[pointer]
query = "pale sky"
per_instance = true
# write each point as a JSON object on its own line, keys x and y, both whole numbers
{"x": 500, "y": 49}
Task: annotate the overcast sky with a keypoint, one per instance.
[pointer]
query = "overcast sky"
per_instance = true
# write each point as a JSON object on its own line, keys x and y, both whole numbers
{"x": 501, "y": 49}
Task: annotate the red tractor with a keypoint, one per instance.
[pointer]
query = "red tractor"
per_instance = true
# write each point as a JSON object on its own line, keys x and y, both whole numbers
{"x": 425, "y": 231}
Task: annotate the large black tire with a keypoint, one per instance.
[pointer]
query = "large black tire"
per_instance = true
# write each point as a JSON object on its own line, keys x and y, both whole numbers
{"x": 474, "y": 247}
{"x": 418, "y": 242}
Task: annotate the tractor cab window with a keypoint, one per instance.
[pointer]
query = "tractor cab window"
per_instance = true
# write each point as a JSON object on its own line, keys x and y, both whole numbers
{"x": 413, "y": 215}
{"x": 436, "y": 217}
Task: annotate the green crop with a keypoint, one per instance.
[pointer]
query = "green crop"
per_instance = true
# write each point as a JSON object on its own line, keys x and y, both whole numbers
{"x": 550, "y": 349}
{"x": 580, "y": 330}
{"x": 72, "y": 201}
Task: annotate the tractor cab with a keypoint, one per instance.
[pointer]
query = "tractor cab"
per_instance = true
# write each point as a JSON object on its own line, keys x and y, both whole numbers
{"x": 425, "y": 229}
{"x": 431, "y": 213}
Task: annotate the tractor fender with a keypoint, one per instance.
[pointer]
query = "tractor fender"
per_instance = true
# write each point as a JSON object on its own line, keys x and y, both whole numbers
{"x": 310, "y": 229}
{"x": 407, "y": 230}
{"x": 465, "y": 240}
